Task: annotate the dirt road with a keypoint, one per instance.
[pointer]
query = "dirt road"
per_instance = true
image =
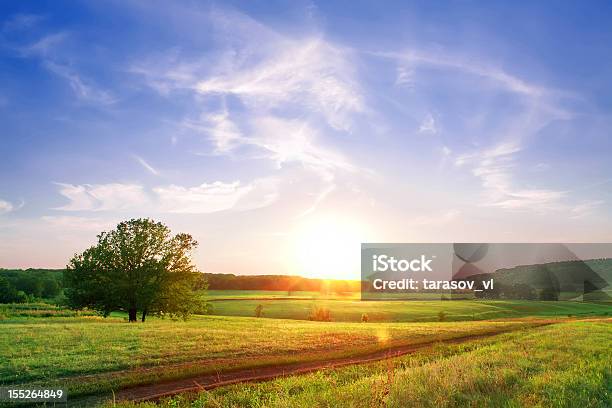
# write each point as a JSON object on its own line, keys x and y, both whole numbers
{"x": 210, "y": 381}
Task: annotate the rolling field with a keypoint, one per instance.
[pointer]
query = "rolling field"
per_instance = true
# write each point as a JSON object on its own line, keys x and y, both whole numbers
{"x": 90, "y": 354}
{"x": 563, "y": 365}
{"x": 93, "y": 357}
{"x": 406, "y": 311}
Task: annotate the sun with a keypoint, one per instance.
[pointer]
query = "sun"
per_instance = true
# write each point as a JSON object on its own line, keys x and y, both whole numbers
{"x": 329, "y": 248}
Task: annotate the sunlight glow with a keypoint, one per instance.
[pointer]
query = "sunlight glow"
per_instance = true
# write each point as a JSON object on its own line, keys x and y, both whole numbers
{"x": 328, "y": 247}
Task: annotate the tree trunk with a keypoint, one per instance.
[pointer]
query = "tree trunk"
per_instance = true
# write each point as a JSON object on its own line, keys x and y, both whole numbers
{"x": 132, "y": 314}
{"x": 144, "y": 314}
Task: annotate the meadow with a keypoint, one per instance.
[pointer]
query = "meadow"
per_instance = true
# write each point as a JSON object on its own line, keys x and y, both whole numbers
{"x": 351, "y": 310}
{"x": 95, "y": 357}
{"x": 563, "y": 365}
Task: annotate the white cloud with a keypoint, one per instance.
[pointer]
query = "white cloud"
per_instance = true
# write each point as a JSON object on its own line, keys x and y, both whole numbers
{"x": 298, "y": 144}
{"x": 283, "y": 141}
{"x": 5, "y": 207}
{"x": 405, "y": 76}
{"x": 146, "y": 165}
{"x": 529, "y": 199}
{"x": 266, "y": 70}
{"x": 103, "y": 197}
{"x": 311, "y": 73}
{"x": 288, "y": 141}
{"x": 428, "y": 125}
{"x": 495, "y": 164}
{"x": 219, "y": 128}
{"x": 217, "y": 196}
{"x": 83, "y": 89}
{"x": 48, "y": 49}
{"x": 286, "y": 93}
{"x": 410, "y": 59}
{"x": 202, "y": 199}
{"x": 494, "y": 167}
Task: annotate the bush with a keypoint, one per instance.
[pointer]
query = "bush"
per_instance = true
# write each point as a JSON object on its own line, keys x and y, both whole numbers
{"x": 549, "y": 294}
{"x": 204, "y": 308}
{"x": 320, "y": 314}
{"x": 364, "y": 318}
{"x": 259, "y": 311}
{"x": 441, "y": 316}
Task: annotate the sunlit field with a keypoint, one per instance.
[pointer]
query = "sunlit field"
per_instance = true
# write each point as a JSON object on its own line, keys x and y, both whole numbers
{"x": 343, "y": 310}
{"x": 93, "y": 357}
{"x": 564, "y": 365}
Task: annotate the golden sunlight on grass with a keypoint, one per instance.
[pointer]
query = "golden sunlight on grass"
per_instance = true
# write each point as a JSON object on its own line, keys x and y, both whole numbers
{"x": 382, "y": 334}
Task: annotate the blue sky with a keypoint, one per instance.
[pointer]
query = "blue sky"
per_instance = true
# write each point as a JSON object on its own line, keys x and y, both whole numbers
{"x": 282, "y": 134}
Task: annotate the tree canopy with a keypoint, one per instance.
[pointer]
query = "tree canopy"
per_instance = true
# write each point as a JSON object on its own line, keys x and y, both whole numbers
{"x": 137, "y": 267}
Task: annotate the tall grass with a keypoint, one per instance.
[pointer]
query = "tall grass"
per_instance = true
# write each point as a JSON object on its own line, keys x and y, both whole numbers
{"x": 566, "y": 365}
{"x": 92, "y": 354}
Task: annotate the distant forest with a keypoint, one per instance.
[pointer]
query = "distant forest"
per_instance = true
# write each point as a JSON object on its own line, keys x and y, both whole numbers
{"x": 220, "y": 281}
{"x": 21, "y": 286}
{"x": 552, "y": 281}
{"x": 28, "y": 285}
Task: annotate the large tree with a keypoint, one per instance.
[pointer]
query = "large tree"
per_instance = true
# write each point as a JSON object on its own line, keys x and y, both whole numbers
{"x": 137, "y": 267}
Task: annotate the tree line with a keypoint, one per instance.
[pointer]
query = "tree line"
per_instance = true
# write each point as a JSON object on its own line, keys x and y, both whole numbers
{"x": 219, "y": 281}
{"x": 21, "y": 286}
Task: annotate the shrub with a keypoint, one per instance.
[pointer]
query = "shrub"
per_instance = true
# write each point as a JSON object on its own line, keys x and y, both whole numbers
{"x": 320, "y": 314}
{"x": 441, "y": 316}
{"x": 364, "y": 318}
{"x": 549, "y": 294}
{"x": 259, "y": 311}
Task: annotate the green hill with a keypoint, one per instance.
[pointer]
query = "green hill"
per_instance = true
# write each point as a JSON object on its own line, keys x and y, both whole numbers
{"x": 567, "y": 280}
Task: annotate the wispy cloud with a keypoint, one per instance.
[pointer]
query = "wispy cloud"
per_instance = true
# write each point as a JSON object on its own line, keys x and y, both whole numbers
{"x": 219, "y": 128}
{"x": 103, "y": 197}
{"x": 494, "y": 162}
{"x": 310, "y": 73}
{"x": 20, "y": 22}
{"x": 494, "y": 167}
{"x": 49, "y": 50}
{"x": 82, "y": 88}
{"x": 217, "y": 196}
{"x": 5, "y": 207}
{"x": 146, "y": 165}
{"x": 202, "y": 199}
{"x": 292, "y": 91}
{"x": 412, "y": 59}
{"x": 428, "y": 125}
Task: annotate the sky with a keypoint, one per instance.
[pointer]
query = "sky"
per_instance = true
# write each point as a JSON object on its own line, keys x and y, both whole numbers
{"x": 281, "y": 135}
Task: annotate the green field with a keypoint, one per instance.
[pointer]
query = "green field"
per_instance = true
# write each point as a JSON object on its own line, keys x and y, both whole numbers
{"x": 406, "y": 311}
{"x": 114, "y": 354}
{"x": 92, "y": 356}
{"x": 564, "y": 365}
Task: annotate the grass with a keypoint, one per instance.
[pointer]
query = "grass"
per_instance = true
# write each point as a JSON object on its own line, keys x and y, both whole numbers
{"x": 19, "y": 311}
{"x": 564, "y": 365}
{"x": 407, "y": 311}
{"x": 44, "y": 345}
{"x": 273, "y": 294}
{"x": 89, "y": 354}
